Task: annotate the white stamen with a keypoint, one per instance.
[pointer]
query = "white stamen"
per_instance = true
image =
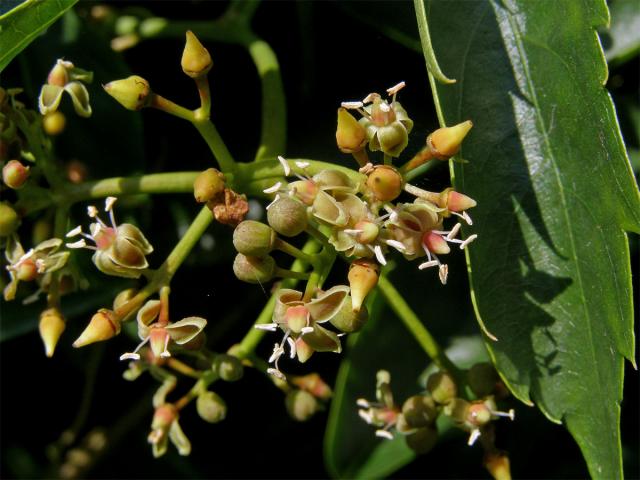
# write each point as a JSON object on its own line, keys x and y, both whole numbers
{"x": 511, "y": 414}
{"x": 274, "y": 201}
{"x": 40, "y": 265}
{"x": 305, "y": 330}
{"x": 454, "y": 231}
{"x": 276, "y": 373}
{"x": 468, "y": 241}
{"x": 475, "y": 433}
{"x": 277, "y": 353}
{"x": 92, "y": 211}
{"x": 301, "y": 164}
{"x": 285, "y": 166}
{"x": 467, "y": 218}
{"x": 384, "y": 434}
{"x": 366, "y": 416}
{"x": 443, "y": 273}
{"x": 396, "y": 244}
{"x": 74, "y": 232}
{"x": 352, "y": 105}
{"x": 79, "y": 244}
{"x": 350, "y": 231}
{"x": 429, "y": 264}
{"x": 366, "y": 169}
{"x": 292, "y": 347}
{"x": 378, "y": 251}
{"x": 362, "y": 402}
{"x": 94, "y": 229}
{"x": 396, "y": 88}
{"x": 129, "y": 356}
{"x": 108, "y": 203}
{"x": 269, "y": 327}
{"x": 273, "y": 188}
{"x": 370, "y": 98}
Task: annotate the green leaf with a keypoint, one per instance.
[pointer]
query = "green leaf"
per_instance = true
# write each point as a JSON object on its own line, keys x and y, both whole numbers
{"x": 621, "y": 40}
{"x": 20, "y": 26}
{"x": 550, "y": 270}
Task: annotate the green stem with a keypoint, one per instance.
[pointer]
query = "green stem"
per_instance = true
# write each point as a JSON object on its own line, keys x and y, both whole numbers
{"x": 204, "y": 112}
{"x": 289, "y": 249}
{"x": 284, "y": 273}
{"x": 218, "y": 148}
{"x": 186, "y": 243}
{"x": 273, "y": 134}
{"x": 247, "y": 172}
{"x": 416, "y": 327}
{"x": 167, "y": 106}
{"x": 172, "y": 182}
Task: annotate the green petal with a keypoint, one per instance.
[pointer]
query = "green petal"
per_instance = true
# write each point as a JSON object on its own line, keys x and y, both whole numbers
{"x": 49, "y": 98}
{"x": 327, "y": 304}
{"x": 322, "y": 340}
{"x": 285, "y": 298}
{"x": 334, "y": 180}
{"x": 135, "y": 236}
{"x": 146, "y": 316}
{"x": 54, "y": 262}
{"x": 329, "y": 211}
{"x": 48, "y": 246}
{"x": 127, "y": 254}
{"x": 104, "y": 262}
{"x": 13, "y": 249}
{"x": 179, "y": 439}
{"x": 393, "y": 138}
{"x": 80, "y": 97}
{"x": 160, "y": 448}
{"x": 186, "y": 329}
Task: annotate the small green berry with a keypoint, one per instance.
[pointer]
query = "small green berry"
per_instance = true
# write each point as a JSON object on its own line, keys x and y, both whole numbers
{"x": 287, "y": 216}
{"x": 229, "y": 368}
{"x": 211, "y": 407}
{"x": 420, "y": 411}
{"x": 442, "y": 387}
{"x": 254, "y": 269}
{"x": 253, "y": 238}
{"x": 301, "y": 405}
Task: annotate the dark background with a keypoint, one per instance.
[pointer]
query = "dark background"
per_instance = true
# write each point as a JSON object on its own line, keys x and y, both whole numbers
{"x": 327, "y": 54}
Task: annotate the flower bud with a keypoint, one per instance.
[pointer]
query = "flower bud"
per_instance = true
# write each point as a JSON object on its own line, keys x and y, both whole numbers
{"x": 393, "y": 138}
{"x": 211, "y": 407}
{"x": 54, "y": 123}
{"x": 482, "y": 379}
{"x": 454, "y": 201}
{"x": 133, "y": 93}
{"x": 254, "y": 239}
{"x": 207, "y": 185}
{"x": 228, "y": 367}
{"x": 51, "y": 327}
{"x": 287, "y": 216}
{"x": 420, "y": 411}
{"x": 313, "y": 384}
{"x": 103, "y": 326}
{"x": 445, "y": 142}
{"x": 351, "y": 136}
{"x": 15, "y": 174}
{"x": 385, "y": 183}
{"x": 497, "y": 463}
{"x": 254, "y": 269}
{"x": 9, "y": 219}
{"x": 301, "y": 405}
{"x": 423, "y": 439}
{"x": 196, "y": 61}
{"x": 442, "y": 387}
{"x": 363, "y": 277}
{"x": 347, "y": 320}
{"x": 458, "y": 410}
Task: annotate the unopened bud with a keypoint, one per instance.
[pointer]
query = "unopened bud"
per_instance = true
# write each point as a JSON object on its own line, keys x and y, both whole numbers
{"x": 363, "y": 277}
{"x": 423, "y": 439}
{"x": 351, "y": 136}
{"x": 103, "y": 326}
{"x": 51, "y": 327}
{"x": 313, "y": 384}
{"x": 301, "y": 405}
{"x": 196, "y": 61}
{"x": 254, "y": 239}
{"x": 455, "y": 201}
{"x": 393, "y": 138}
{"x": 207, "y": 185}
{"x": 445, "y": 142}
{"x": 442, "y": 387}
{"x": 287, "y": 216}
{"x": 420, "y": 411}
{"x": 123, "y": 297}
{"x": 498, "y": 465}
{"x": 211, "y": 407}
{"x": 15, "y": 174}
{"x": 133, "y": 93}
{"x": 483, "y": 379}
{"x": 9, "y": 219}
{"x": 229, "y": 368}
{"x": 435, "y": 243}
{"x": 54, "y": 123}
{"x": 458, "y": 410}
{"x": 254, "y": 269}
{"x": 385, "y": 183}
